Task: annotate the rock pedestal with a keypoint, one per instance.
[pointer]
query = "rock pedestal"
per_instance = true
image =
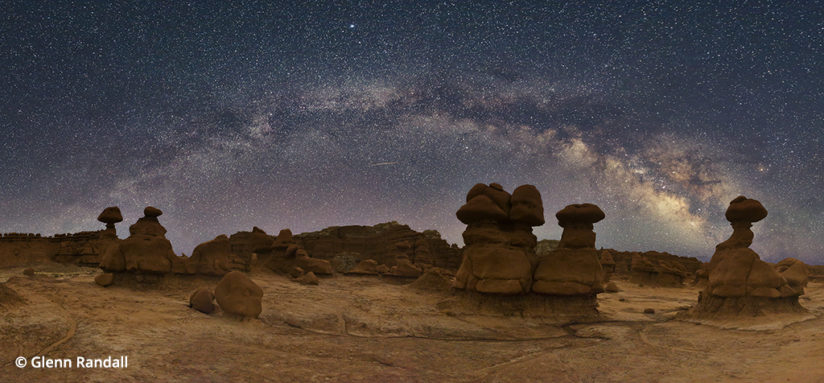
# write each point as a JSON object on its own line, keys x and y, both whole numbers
{"x": 739, "y": 282}
{"x": 499, "y": 255}
{"x": 573, "y": 269}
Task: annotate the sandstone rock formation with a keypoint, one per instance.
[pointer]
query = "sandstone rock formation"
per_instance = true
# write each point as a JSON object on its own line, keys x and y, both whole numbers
{"x": 795, "y": 272}
{"x": 202, "y": 300}
{"x": 245, "y": 243}
{"x": 656, "y": 272}
{"x": 573, "y": 268}
{"x": 110, "y": 216}
{"x": 365, "y": 267}
{"x": 739, "y": 281}
{"x": 238, "y": 295}
{"x": 499, "y": 255}
{"x": 607, "y": 264}
{"x": 286, "y": 254}
{"x": 214, "y": 258}
{"x": 146, "y": 250}
{"x": 346, "y": 246}
{"x": 308, "y": 279}
{"x": 404, "y": 268}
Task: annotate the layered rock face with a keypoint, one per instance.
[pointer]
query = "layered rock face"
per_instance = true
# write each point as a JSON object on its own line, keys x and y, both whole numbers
{"x": 649, "y": 271}
{"x": 499, "y": 255}
{"x": 146, "y": 250}
{"x": 346, "y": 246}
{"x": 245, "y": 243}
{"x": 573, "y": 269}
{"x": 287, "y": 256}
{"x": 739, "y": 281}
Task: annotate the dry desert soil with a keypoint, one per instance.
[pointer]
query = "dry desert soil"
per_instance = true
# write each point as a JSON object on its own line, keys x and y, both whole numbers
{"x": 368, "y": 329}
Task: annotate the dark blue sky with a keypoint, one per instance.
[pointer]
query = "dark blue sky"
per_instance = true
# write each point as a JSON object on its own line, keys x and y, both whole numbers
{"x": 227, "y": 116}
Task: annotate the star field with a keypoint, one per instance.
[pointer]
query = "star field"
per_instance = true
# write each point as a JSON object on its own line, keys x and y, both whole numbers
{"x": 303, "y": 116}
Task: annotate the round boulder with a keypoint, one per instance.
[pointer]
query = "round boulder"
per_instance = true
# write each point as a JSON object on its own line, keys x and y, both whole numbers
{"x": 237, "y": 294}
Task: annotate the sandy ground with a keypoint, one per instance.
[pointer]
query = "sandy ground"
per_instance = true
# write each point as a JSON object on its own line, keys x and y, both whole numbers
{"x": 364, "y": 329}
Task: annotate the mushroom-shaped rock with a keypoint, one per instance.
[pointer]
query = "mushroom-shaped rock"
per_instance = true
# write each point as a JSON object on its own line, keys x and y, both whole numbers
{"x": 743, "y": 209}
{"x": 145, "y": 250}
{"x": 152, "y": 212}
{"x": 202, "y": 300}
{"x": 480, "y": 208}
{"x": 739, "y": 282}
{"x": 110, "y": 216}
{"x": 577, "y": 221}
{"x": 500, "y": 247}
{"x": 741, "y": 213}
{"x": 237, "y": 294}
{"x": 573, "y": 268}
{"x": 527, "y": 206}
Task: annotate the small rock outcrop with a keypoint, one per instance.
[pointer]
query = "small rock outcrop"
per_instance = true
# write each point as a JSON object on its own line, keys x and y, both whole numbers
{"x": 573, "y": 268}
{"x": 795, "y": 272}
{"x": 245, "y": 243}
{"x": 739, "y": 282}
{"x": 202, "y": 300}
{"x": 499, "y": 255}
{"x": 238, "y": 295}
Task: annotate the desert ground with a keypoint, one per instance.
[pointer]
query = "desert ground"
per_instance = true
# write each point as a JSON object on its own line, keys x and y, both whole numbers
{"x": 372, "y": 329}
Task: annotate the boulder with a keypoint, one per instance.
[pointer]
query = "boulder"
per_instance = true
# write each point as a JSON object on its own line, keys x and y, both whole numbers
{"x": 104, "y": 279}
{"x": 202, "y": 300}
{"x": 238, "y": 295}
{"x": 308, "y": 279}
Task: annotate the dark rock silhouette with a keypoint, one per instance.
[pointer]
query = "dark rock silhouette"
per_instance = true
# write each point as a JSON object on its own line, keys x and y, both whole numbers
{"x": 573, "y": 268}
{"x": 286, "y": 254}
{"x": 739, "y": 282}
{"x": 649, "y": 271}
{"x": 346, "y": 246}
{"x": 202, "y": 300}
{"x": 500, "y": 249}
{"x": 110, "y": 216}
{"x": 238, "y": 295}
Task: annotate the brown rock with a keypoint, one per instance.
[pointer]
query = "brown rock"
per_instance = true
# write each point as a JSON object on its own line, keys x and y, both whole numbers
{"x": 296, "y": 272}
{"x": 28, "y": 272}
{"x": 309, "y": 279}
{"x": 573, "y": 268}
{"x": 738, "y": 280}
{"x": 500, "y": 250}
{"x": 795, "y": 272}
{"x": 527, "y": 206}
{"x": 110, "y": 216}
{"x": 237, "y": 294}
{"x": 611, "y": 287}
{"x": 215, "y": 258}
{"x": 365, "y": 267}
{"x": 104, "y": 279}
{"x": 152, "y": 212}
{"x": 145, "y": 250}
{"x": 345, "y": 246}
{"x": 202, "y": 300}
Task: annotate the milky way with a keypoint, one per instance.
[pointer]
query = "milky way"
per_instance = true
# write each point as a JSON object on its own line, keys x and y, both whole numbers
{"x": 227, "y": 116}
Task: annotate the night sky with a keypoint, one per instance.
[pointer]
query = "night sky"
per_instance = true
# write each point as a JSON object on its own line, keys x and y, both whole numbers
{"x": 227, "y": 116}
